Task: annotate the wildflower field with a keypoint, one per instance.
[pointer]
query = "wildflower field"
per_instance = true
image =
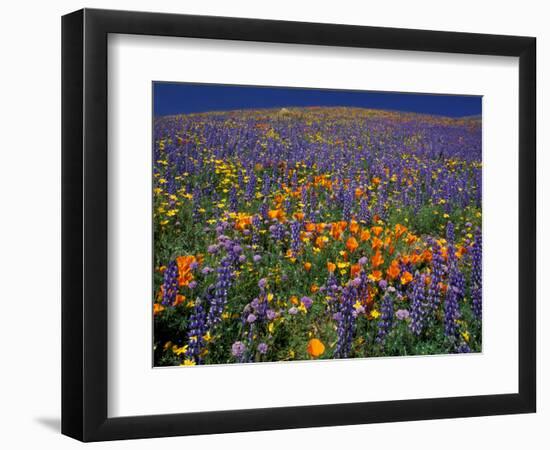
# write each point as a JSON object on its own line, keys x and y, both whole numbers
{"x": 315, "y": 233}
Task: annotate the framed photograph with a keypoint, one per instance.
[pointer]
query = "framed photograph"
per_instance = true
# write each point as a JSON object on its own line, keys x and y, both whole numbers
{"x": 273, "y": 225}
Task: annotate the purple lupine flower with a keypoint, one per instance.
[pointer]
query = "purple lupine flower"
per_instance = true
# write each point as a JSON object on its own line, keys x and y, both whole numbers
{"x": 348, "y": 204}
{"x": 250, "y": 187}
{"x": 450, "y": 232}
{"x": 212, "y": 249}
{"x": 293, "y": 311}
{"x": 418, "y": 305}
{"x": 436, "y": 277}
{"x": 364, "y": 212}
{"x": 386, "y": 319}
{"x": 223, "y": 283}
{"x": 262, "y": 283}
{"x": 363, "y": 260}
{"x": 170, "y": 284}
{"x": 452, "y": 313}
{"x": 256, "y": 224}
{"x": 295, "y": 242}
{"x": 381, "y": 203}
{"x": 267, "y": 185}
{"x": 251, "y": 318}
{"x": 256, "y": 258}
{"x": 277, "y": 231}
{"x": 346, "y": 323}
{"x": 192, "y": 285}
{"x": 195, "y": 333}
{"x": 303, "y": 194}
{"x": 331, "y": 288}
{"x": 475, "y": 280}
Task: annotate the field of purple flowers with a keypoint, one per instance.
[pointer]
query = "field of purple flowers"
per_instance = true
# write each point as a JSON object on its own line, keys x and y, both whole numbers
{"x": 315, "y": 233}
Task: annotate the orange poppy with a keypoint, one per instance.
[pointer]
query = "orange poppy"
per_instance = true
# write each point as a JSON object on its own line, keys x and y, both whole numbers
{"x": 352, "y": 244}
{"x": 310, "y": 226}
{"x": 365, "y": 235}
{"x": 307, "y": 266}
{"x": 331, "y": 267}
{"x": 394, "y": 270}
{"x": 354, "y": 227}
{"x": 336, "y": 231}
{"x": 377, "y": 230}
{"x": 157, "y": 308}
{"x": 185, "y": 276}
{"x": 277, "y": 214}
{"x": 243, "y": 222}
{"x": 376, "y": 243}
{"x": 278, "y": 199}
{"x": 399, "y": 230}
{"x": 355, "y": 269}
{"x": 179, "y": 299}
{"x": 406, "y": 278}
{"x": 377, "y": 259}
{"x": 315, "y": 347}
{"x": 376, "y": 275}
{"x": 320, "y": 241}
{"x": 415, "y": 258}
{"x": 427, "y": 255}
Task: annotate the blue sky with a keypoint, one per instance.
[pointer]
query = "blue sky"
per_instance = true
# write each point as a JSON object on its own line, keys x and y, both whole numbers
{"x": 183, "y": 98}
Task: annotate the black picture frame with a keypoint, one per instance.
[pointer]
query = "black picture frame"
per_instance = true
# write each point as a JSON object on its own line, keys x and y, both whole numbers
{"x": 84, "y": 224}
